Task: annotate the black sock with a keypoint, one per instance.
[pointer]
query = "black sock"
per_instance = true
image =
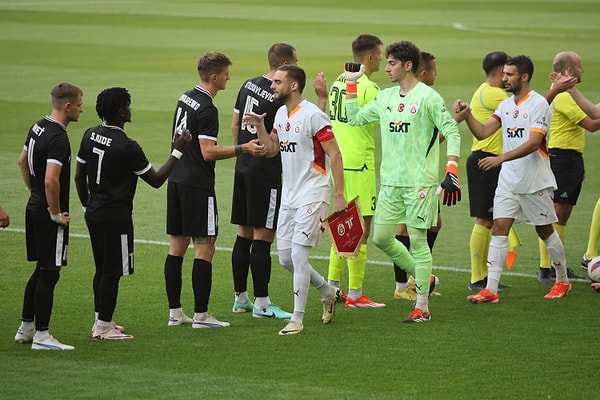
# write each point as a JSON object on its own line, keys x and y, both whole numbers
{"x": 401, "y": 275}
{"x": 260, "y": 262}
{"x": 173, "y": 280}
{"x": 108, "y": 291}
{"x": 240, "y": 263}
{"x": 44, "y": 298}
{"x": 431, "y": 236}
{"x": 201, "y": 283}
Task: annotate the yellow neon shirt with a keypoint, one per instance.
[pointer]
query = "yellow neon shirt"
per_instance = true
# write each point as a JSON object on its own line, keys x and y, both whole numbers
{"x": 484, "y": 102}
{"x": 565, "y": 133}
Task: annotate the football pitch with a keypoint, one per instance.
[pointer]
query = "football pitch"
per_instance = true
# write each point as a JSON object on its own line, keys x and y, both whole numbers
{"x": 524, "y": 347}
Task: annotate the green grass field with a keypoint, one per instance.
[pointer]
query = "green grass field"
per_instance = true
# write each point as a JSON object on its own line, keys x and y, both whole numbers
{"x": 524, "y": 347}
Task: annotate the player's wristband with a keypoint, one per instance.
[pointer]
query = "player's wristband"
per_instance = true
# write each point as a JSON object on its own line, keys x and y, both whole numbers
{"x": 452, "y": 167}
{"x": 56, "y": 217}
{"x": 238, "y": 149}
{"x": 176, "y": 153}
{"x": 351, "y": 88}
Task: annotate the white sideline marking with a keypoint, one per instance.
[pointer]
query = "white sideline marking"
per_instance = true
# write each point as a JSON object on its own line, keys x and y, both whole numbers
{"x": 563, "y": 31}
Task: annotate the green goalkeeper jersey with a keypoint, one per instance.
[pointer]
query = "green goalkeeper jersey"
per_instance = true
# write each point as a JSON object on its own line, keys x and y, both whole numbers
{"x": 409, "y": 133}
{"x": 356, "y": 143}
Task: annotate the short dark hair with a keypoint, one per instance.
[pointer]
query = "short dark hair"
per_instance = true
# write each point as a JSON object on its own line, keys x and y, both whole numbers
{"x": 405, "y": 51}
{"x": 64, "y": 92}
{"x": 295, "y": 73}
{"x": 524, "y": 65}
{"x": 425, "y": 61}
{"x": 493, "y": 61}
{"x": 280, "y": 53}
{"x": 212, "y": 63}
{"x": 110, "y": 101}
{"x": 363, "y": 43}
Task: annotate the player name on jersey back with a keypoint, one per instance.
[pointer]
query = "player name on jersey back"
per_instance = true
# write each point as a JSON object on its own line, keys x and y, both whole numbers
{"x": 260, "y": 92}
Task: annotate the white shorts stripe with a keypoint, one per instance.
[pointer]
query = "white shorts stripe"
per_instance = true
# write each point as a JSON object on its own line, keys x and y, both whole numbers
{"x": 58, "y": 250}
{"x": 124, "y": 255}
{"x": 270, "y": 222}
{"x": 211, "y": 224}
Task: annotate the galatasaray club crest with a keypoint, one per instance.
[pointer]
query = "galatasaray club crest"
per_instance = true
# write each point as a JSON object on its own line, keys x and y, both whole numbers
{"x": 414, "y": 108}
{"x": 298, "y": 127}
{"x": 525, "y": 114}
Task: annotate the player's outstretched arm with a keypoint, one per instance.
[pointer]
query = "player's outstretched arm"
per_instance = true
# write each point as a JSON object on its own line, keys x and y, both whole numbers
{"x": 81, "y": 184}
{"x": 320, "y": 86}
{"x": 154, "y": 178}
{"x": 352, "y": 72}
{"x": 462, "y": 112}
{"x": 591, "y": 109}
{"x": 533, "y": 144}
{"x": 268, "y": 140}
{"x": 235, "y": 120}
{"x": 332, "y": 149}
{"x": 561, "y": 83}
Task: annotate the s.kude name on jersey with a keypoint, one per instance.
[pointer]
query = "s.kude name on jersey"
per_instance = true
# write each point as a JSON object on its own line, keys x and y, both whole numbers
{"x": 103, "y": 140}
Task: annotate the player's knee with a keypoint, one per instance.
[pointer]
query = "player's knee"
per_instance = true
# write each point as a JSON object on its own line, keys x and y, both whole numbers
{"x": 285, "y": 259}
{"x": 50, "y": 275}
{"x": 382, "y": 241}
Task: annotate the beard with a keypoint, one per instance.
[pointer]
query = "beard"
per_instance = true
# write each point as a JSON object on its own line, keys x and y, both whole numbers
{"x": 281, "y": 97}
{"x": 513, "y": 89}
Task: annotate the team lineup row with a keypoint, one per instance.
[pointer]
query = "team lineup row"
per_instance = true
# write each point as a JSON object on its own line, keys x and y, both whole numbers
{"x": 284, "y": 135}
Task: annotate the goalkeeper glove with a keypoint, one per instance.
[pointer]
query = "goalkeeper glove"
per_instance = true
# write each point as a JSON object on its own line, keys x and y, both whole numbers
{"x": 450, "y": 185}
{"x": 352, "y": 71}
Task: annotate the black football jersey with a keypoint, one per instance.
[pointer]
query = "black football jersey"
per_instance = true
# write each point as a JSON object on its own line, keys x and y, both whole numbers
{"x": 113, "y": 164}
{"x": 47, "y": 142}
{"x": 256, "y": 96}
{"x": 196, "y": 112}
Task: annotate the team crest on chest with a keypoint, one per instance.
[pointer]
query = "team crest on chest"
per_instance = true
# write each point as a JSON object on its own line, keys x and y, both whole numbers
{"x": 414, "y": 107}
{"x": 525, "y": 114}
{"x": 400, "y": 107}
{"x": 297, "y": 127}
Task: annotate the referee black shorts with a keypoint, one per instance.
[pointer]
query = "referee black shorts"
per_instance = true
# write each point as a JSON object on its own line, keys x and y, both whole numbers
{"x": 191, "y": 211}
{"x": 255, "y": 201}
{"x": 482, "y": 186}
{"x": 112, "y": 245}
{"x": 569, "y": 171}
{"x": 47, "y": 242}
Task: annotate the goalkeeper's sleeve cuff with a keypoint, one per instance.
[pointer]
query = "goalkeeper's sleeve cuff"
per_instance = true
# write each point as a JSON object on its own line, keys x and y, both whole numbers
{"x": 452, "y": 167}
